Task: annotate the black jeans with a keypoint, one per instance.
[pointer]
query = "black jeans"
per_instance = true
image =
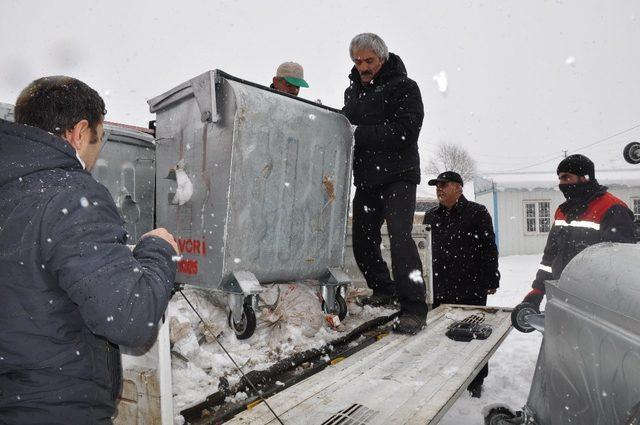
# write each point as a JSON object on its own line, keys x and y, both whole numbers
{"x": 395, "y": 203}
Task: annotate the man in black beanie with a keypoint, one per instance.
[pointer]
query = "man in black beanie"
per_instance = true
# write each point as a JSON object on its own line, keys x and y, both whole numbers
{"x": 590, "y": 215}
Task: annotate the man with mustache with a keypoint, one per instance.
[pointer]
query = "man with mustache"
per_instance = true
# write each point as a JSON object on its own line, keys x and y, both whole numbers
{"x": 589, "y": 215}
{"x": 386, "y": 107}
{"x": 464, "y": 252}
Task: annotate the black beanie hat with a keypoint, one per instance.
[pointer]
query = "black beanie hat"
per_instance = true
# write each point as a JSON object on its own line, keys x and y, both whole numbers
{"x": 577, "y": 164}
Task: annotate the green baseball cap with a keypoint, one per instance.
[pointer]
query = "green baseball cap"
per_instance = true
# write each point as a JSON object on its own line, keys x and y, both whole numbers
{"x": 293, "y": 74}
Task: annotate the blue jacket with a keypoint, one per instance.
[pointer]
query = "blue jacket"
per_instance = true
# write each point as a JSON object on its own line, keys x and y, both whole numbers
{"x": 71, "y": 291}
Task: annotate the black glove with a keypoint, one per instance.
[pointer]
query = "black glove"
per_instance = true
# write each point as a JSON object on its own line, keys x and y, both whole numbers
{"x": 534, "y": 297}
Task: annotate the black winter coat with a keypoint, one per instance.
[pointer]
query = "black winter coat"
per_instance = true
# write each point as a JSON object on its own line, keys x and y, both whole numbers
{"x": 464, "y": 252}
{"x": 598, "y": 217}
{"x": 70, "y": 289}
{"x": 389, "y": 114}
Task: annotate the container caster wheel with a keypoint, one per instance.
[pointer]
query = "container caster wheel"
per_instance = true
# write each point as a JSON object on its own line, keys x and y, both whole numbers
{"x": 631, "y": 153}
{"x": 247, "y": 324}
{"x": 340, "y": 305}
{"x": 502, "y": 416}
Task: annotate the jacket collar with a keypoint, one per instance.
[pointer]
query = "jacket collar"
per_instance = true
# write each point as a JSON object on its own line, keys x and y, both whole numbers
{"x": 457, "y": 208}
{"x": 392, "y": 68}
{"x": 25, "y": 150}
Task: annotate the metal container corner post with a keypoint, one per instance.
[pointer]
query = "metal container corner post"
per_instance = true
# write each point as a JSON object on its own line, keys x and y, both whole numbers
{"x": 126, "y": 166}
{"x": 255, "y": 186}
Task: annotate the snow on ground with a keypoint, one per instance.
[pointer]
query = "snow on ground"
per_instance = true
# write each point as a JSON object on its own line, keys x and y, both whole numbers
{"x": 295, "y": 323}
{"x": 511, "y": 367}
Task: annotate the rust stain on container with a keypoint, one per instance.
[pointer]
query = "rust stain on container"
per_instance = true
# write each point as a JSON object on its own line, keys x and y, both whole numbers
{"x": 328, "y": 186}
{"x": 266, "y": 171}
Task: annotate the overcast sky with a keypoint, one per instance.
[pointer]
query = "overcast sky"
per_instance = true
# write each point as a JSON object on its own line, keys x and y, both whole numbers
{"x": 526, "y": 79}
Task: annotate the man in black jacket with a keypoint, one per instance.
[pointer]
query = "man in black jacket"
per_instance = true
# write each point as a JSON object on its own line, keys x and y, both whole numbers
{"x": 70, "y": 289}
{"x": 590, "y": 215}
{"x": 386, "y": 107}
{"x": 465, "y": 255}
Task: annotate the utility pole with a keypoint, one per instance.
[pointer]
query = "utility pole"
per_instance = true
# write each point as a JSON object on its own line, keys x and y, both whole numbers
{"x": 565, "y": 153}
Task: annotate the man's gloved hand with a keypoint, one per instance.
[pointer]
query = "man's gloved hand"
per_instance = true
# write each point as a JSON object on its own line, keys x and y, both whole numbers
{"x": 534, "y": 297}
{"x": 530, "y": 305}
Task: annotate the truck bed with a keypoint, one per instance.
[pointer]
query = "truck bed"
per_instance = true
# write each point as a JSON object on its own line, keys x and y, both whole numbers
{"x": 398, "y": 380}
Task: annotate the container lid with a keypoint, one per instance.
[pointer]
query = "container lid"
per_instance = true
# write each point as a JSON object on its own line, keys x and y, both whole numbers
{"x": 604, "y": 275}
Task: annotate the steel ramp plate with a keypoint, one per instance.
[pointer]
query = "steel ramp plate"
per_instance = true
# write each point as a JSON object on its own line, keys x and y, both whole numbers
{"x": 398, "y": 380}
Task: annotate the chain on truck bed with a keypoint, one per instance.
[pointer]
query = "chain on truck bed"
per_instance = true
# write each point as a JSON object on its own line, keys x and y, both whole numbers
{"x": 261, "y": 384}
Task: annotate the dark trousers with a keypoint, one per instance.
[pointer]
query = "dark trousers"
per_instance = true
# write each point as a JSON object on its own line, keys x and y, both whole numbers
{"x": 395, "y": 203}
{"x": 471, "y": 299}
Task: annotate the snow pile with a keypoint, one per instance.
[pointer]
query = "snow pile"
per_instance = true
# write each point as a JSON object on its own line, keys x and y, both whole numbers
{"x": 185, "y": 187}
{"x": 289, "y": 320}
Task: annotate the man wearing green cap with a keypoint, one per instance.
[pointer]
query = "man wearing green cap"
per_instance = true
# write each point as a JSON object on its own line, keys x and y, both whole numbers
{"x": 289, "y": 78}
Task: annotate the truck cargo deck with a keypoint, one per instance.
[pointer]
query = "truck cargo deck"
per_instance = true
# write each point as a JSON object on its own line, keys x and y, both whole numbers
{"x": 399, "y": 379}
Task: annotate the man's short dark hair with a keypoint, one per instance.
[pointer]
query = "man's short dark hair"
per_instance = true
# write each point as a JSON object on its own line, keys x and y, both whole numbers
{"x": 57, "y": 103}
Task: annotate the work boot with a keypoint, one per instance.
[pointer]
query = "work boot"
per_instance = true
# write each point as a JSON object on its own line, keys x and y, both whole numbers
{"x": 379, "y": 299}
{"x": 475, "y": 390}
{"x": 409, "y": 324}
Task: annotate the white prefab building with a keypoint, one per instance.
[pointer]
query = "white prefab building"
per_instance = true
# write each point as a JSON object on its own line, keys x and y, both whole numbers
{"x": 523, "y": 205}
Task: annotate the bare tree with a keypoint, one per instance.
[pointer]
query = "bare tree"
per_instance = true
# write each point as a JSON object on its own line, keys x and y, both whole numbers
{"x": 451, "y": 157}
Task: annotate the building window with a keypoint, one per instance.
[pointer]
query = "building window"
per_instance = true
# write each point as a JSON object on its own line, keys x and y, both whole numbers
{"x": 636, "y": 210}
{"x": 537, "y": 216}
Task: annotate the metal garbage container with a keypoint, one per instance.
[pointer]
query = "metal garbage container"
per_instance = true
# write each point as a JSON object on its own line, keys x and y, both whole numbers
{"x": 588, "y": 369}
{"x": 592, "y": 337}
{"x": 126, "y": 166}
{"x": 255, "y": 186}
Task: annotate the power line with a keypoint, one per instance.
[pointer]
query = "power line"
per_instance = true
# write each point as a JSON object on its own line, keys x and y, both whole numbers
{"x": 575, "y": 150}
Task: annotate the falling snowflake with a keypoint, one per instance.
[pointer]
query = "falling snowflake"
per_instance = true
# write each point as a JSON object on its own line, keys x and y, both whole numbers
{"x": 441, "y": 79}
{"x": 416, "y": 276}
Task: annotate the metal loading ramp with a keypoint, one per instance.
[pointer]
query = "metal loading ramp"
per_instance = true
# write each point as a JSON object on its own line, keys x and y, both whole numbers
{"x": 398, "y": 380}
